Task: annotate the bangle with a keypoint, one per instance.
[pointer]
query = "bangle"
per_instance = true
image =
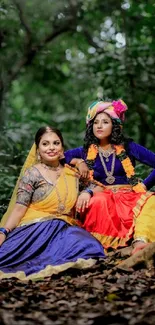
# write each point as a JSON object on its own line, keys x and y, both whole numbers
{"x": 79, "y": 162}
{"x": 4, "y": 231}
{"x": 8, "y": 230}
{"x": 139, "y": 239}
{"x": 87, "y": 190}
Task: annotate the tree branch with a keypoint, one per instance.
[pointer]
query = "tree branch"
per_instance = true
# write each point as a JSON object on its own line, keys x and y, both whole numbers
{"x": 33, "y": 49}
{"x": 91, "y": 41}
{"x": 54, "y": 34}
{"x": 143, "y": 116}
{"x": 19, "y": 5}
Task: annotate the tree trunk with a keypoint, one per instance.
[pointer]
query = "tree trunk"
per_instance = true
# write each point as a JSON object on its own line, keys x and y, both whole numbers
{"x": 2, "y": 113}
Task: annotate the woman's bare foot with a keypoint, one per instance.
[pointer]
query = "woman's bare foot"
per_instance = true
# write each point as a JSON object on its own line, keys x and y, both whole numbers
{"x": 139, "y": 245}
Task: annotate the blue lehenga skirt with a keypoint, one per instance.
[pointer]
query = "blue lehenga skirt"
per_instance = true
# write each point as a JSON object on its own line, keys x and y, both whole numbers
{"x": 45, "y": 248}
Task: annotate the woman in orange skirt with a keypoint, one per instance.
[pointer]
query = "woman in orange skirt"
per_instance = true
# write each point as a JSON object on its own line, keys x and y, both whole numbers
{"x": 124, "y": 208}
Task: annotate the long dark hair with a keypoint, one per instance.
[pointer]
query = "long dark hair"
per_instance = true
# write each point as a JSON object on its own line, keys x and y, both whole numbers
{"x": 46, "y": 129}
{"x": 116, "y": 136}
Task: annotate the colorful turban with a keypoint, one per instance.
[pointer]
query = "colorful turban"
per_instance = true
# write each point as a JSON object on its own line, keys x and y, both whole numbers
{"x": 116, "y": 109}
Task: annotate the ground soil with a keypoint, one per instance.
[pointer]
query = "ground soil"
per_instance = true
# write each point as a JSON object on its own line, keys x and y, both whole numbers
{"x": 103, "y": 294}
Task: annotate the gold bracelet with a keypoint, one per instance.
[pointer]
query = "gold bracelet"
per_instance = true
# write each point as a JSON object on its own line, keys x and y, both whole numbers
{"x": 79, "y": 162}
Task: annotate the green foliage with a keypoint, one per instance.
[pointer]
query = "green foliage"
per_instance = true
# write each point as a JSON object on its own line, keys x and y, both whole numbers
{"x": 7, "y": 175}
{"x": 57, "y": 57}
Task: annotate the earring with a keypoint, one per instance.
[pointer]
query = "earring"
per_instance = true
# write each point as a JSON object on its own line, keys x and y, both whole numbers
{"x": 38, "y": 157}
{"x": 61, "y": 155}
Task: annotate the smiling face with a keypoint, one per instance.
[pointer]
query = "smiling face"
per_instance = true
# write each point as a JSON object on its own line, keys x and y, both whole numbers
{"x": 50, "y": 147}
{"x": 102, "y": 126}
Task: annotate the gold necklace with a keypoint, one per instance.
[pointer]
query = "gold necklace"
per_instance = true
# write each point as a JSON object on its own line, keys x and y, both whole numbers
{"x": 55, "y": 169}
{"x": 61, "y": 205}
{"x": 110, "y": 179}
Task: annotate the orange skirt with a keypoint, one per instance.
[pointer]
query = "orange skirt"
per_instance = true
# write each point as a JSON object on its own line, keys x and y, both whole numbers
{"x": 111, "y": 215}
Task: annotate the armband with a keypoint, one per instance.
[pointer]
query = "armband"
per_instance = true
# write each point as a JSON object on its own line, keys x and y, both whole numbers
{"x": 89, "y": 191}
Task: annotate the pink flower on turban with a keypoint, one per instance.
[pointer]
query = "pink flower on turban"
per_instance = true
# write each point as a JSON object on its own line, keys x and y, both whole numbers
{"x": 119, "y": 108}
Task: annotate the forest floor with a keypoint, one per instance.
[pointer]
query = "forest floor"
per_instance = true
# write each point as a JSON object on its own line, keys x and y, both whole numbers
{"x": 100, "y": 295}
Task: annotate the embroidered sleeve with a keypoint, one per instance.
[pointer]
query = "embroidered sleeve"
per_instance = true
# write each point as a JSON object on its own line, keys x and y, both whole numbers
{"x": 27, "y": 186}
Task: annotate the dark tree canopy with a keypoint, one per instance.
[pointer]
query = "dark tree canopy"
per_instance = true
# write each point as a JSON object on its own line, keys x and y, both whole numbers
{"x": 58, "y": 56}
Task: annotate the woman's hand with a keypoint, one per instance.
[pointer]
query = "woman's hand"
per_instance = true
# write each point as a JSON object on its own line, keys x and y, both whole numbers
{"x": 2, "y": 238}
{"x": 83, "y": 202}
{"x": 81, "y": 166}
{"x": 83, "y": 169}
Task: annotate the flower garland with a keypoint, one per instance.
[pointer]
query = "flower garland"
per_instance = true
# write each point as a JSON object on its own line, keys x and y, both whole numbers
{"x": 129, "y": 169}
{"x": 126, "y": 163}
{"x": 91, "y": 155}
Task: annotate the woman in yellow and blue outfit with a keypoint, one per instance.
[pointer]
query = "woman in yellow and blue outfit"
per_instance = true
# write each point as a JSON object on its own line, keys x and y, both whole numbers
{"x": 39, "y": 235}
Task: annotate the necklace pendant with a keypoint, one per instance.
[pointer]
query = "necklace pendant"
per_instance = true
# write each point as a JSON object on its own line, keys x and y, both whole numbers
{"x": 107, "y": 159}
{"x": 106, "y": 153}
{"x": 110, "y": 179}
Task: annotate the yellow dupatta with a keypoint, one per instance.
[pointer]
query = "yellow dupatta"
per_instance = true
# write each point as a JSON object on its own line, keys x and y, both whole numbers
{"x": 30, "y": 161}
{"x": 47, "y": 207}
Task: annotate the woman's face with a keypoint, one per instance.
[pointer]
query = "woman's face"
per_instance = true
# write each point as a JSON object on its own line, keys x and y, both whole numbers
{"x": 50, "y": 147}
{"x": 102, "y": 126}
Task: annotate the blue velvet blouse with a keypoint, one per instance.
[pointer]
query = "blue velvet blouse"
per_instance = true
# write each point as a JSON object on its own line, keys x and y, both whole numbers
{"x": 134, "y": 151}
